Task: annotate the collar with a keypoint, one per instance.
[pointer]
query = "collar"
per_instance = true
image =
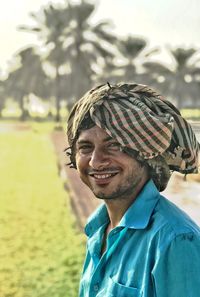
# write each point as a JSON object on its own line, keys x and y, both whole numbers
{"x": 136, "y": 217}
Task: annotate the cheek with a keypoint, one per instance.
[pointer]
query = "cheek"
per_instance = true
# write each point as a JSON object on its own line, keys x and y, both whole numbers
{"x": 134, "y": 166}
{"x": 81, "y": 163}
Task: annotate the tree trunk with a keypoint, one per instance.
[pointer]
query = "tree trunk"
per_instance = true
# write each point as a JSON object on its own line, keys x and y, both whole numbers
{"x": 21, "y": 105}
{"x": 57, "y": 95}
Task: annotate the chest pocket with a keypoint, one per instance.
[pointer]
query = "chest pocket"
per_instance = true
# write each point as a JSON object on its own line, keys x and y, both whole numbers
{"x": 114, "y": 289}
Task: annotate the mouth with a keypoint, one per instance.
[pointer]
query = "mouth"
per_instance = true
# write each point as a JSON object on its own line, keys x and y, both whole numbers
{"x": 104, "y": 177}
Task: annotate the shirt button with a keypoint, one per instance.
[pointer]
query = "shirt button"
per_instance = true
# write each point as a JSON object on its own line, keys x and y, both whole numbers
{"x": 96, "y": 287}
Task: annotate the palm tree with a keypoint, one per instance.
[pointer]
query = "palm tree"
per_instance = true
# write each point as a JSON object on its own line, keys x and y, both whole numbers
{"x": 51, "y": 24}
{"x": 28, "y": 78}
{"x": 88, "y": 47}
{"x": 2, "y": 95}
{"x": 133, "y": 53}
{"x": 178, "y": 83}
{"x": 110, "y": 72}
{"x": 73, "y": 45}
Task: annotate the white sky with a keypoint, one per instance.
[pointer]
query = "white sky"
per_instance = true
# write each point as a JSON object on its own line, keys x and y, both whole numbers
{"x": 161, "y": 22}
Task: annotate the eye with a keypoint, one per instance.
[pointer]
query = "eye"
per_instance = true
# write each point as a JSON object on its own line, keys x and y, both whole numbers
{"x": 85, "y": 148}
{"x": 114, "y": 146}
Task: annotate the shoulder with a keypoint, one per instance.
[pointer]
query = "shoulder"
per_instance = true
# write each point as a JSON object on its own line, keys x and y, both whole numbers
{"x": 169, "y": 223}
{"x": 172, "y": 215}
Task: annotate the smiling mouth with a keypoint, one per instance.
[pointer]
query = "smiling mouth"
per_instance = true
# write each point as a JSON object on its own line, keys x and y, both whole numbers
{"x": 103, "y": 176}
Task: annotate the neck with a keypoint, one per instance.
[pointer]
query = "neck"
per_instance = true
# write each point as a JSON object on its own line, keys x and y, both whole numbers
{"x": 116, "y": 210}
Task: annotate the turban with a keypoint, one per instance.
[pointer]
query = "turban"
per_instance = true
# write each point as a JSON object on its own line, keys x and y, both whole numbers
{"x": 142, "y": 121}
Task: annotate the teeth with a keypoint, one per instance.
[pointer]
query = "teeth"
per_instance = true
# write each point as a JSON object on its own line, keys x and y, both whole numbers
{"x": 98, "y": 176}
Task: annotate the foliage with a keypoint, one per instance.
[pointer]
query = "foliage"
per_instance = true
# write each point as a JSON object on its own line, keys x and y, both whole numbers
{"x": 89, "y": 48}
{"x": 28, "y": 78}
{"x": 41, "y": 250}
{"x": 134, "y": 54}
{"x": 179, "y": 83}
{"x": 2, "y": 95}
{"x": 50, "y": 25}
{"x": 78, "y": 54}
{"x": 73, "y": 46}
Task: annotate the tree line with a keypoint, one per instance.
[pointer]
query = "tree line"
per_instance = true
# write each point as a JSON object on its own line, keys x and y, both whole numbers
{"x": 76, "y": 55}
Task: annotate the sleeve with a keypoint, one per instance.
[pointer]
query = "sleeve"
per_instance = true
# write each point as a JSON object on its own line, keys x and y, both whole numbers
{"x": 177, "y": 269}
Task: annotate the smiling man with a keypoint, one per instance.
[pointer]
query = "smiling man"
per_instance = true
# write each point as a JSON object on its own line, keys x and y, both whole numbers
{"x": 107, "y": 171}
{"x": 125, "y": 141}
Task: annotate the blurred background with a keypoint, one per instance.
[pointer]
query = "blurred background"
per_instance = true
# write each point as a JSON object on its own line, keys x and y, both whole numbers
{"x": 52, "y": 52}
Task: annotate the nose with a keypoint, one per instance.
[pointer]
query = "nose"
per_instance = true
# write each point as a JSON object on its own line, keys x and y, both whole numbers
{"x": 99, "y": 160}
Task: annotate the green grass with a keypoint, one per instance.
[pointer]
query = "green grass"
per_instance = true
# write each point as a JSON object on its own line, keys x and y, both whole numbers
{"x": 41, "y": 250}
{"x": 189, "y": 113}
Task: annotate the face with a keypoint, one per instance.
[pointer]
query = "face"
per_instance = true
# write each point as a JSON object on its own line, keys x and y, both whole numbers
{"x": 105, "y": 169}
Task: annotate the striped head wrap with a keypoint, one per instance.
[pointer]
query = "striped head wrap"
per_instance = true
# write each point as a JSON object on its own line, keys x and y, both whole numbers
{"x": 142, "y": 121}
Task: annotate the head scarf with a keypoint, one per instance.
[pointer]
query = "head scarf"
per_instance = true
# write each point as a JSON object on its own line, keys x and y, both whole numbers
{"x": 142, "y": 121}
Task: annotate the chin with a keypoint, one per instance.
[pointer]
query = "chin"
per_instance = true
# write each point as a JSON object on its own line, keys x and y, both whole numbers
{"x": 101, "y": 194}
{"x": 106, "y": 196}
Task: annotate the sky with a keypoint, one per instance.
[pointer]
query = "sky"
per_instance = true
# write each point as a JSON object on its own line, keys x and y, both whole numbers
{"x": 163, "y": 23}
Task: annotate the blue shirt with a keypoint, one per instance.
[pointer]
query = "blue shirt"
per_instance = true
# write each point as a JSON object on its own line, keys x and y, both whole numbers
{"x": 153, "y": 252}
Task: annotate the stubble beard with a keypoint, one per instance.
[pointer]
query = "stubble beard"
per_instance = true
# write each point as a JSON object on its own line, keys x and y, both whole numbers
{"x": 123, "y": 191}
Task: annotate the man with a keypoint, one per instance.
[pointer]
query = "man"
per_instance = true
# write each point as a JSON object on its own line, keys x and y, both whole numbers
{"x": 125, "y": 140}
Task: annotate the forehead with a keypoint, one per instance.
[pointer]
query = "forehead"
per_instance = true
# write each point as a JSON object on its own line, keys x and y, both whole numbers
{"x": 93, "y": 134}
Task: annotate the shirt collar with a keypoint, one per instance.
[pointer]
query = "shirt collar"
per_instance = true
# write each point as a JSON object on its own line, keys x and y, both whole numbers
{"x": 96, "y": 220}
{"x": 139, "y": 213}
{"x": 136, "y": 217}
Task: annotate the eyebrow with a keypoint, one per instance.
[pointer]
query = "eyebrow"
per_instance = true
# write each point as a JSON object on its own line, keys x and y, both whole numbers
{"x": 81, "y": 141}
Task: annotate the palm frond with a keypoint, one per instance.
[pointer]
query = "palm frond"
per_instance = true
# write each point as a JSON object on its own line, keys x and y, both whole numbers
{"x": 155, "y": 67}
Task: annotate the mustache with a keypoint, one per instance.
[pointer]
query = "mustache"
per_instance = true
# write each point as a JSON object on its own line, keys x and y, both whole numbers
{"x": 104, "y": 170}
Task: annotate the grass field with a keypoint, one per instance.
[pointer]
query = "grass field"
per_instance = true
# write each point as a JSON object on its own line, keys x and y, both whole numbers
{"x": 41, "y": 250}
